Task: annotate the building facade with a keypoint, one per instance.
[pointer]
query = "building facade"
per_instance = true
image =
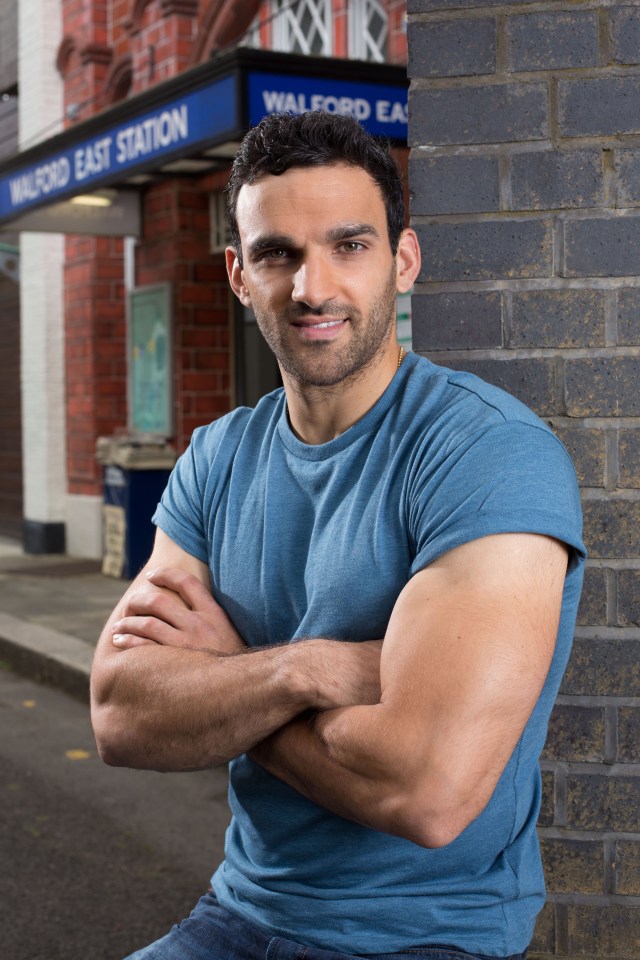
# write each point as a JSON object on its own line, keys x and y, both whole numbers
{"x": 109, "y": 61}
{"x": 525, "y": 174}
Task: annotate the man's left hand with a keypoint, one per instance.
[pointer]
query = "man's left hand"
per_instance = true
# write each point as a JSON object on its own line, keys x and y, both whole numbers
{"x": 177, "y": 611}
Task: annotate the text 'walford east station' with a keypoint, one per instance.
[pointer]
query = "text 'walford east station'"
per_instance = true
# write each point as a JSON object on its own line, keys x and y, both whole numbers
{"x": 203, "y": 118}
{"x": 135, "y": 141}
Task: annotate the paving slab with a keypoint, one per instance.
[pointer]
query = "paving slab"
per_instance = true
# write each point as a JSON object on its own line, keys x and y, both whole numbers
{"x": 52, "y": 611}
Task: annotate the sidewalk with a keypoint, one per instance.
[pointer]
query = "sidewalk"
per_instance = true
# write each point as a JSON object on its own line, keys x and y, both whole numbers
{"x": 52, "y": 610}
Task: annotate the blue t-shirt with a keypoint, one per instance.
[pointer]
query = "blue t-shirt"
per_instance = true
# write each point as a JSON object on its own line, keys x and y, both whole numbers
{"x": 306, "y": 541}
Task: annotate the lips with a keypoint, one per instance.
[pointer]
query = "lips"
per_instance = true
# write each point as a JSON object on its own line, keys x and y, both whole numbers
{"x": 321, "y": 329}
{"x": 324, "y": 325}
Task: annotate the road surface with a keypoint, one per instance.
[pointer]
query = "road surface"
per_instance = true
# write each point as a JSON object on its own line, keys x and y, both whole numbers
{"x": 95, "y": 861}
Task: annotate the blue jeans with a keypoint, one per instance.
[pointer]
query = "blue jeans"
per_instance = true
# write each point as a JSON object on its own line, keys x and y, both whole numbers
{"x": 213, "y": 933}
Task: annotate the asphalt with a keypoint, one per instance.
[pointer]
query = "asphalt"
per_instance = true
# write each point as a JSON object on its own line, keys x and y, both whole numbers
{"x": 52, "y": 610}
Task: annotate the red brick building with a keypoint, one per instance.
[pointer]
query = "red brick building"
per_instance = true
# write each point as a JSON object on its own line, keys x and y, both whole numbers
{"x": 125, "y": 63}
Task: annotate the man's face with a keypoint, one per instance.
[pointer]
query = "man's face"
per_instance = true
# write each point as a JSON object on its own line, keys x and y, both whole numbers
{"x": 318, "y": 270}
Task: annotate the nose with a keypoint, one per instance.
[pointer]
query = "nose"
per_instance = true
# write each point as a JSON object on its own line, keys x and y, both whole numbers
{"x": 313, "y": 283}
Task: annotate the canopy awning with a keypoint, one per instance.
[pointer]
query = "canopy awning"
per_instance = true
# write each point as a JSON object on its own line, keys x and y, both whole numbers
{"x": 87, "y": 178}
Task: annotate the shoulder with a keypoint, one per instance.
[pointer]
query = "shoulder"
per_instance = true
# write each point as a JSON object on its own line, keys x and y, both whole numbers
{"x": 483, "y": 463}
{"x": 459, "y": 397}
{"x": 449, "y": 413}
{"x": 222, "y": 437}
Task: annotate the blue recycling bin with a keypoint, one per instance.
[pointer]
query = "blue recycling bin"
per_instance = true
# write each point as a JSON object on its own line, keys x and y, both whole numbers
{"x": 135, "y": 495}
{"x": 136, "y": 471}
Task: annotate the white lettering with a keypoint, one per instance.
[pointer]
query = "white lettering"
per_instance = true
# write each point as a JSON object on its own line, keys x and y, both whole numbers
{"x": 382, "y": 111}
{"x": 399, "y": 113}
{"x": 361, "y": 109}
{"x": 283, "y": 101}
{"x": 166, "y": 130}
{"x": 387, "y": 112}
{"x": 42, "y": 180}
{"x": 22, "y": 188}
{"x": 149, "y": 132}
{"x": 78, "y": 165}
{"x": 140, "y": 141}
{"x": 92, "y": 159}
{"x": 180, "y": 121}
{"x": 152, "y": 134}
{"x": 16, "y": 189}
{"x": 291, "y": 104}
{"x": 273, "y": 101}
{"x": 121, "y": 141}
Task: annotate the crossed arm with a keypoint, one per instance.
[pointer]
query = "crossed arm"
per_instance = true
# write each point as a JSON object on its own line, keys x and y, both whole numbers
{"x": 409, "y": 736}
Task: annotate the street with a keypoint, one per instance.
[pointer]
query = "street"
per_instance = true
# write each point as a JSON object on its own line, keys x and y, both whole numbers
{"x": 96, "y": 861}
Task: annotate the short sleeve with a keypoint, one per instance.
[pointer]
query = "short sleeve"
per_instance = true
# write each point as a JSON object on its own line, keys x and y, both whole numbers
{"x": 180, "y": 512}
{"x": 514, "y": 477}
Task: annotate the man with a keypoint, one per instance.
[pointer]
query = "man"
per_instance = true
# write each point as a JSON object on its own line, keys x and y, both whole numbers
{"x": 362, "y": 596}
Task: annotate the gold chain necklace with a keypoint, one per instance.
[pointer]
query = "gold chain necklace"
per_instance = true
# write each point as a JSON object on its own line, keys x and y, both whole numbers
{"x": 400, "y": 356}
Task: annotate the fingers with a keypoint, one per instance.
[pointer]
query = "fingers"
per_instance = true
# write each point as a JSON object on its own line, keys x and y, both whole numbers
{"x": 142, "y": 630}
{"x": 192, "y": 590}
{"x": 152, "y": 603}
{"x": 176, "y": 609}
{"x": 125, "y": 641}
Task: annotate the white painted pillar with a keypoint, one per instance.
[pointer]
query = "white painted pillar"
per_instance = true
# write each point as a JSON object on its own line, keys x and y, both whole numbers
{"x": 41, "y": 294}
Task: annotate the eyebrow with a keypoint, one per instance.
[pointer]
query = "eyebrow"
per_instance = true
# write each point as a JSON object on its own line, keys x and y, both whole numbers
{"x": 341, "y": 232}
{"x": 269, "y": 241}
{"x": 347, "y": 231}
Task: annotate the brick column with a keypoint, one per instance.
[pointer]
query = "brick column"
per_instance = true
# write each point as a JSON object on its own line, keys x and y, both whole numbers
{"x": 525, "y": 182}
{"x": 175, "y": 250}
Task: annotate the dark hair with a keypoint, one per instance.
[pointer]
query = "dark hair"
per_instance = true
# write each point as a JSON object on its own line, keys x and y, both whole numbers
{"x": 281, "y": 141}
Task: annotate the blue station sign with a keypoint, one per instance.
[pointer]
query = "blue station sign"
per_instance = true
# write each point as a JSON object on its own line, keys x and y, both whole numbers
{"x": 228, "y": 95}
{"x": 172, "y": 129}
{"x": 382, "y": 109}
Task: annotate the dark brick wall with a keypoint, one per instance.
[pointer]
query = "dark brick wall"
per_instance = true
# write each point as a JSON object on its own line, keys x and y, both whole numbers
{"x": 525, "y": 193}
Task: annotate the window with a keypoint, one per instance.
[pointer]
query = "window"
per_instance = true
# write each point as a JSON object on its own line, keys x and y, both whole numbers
{"x": 307, "y": 27}
{"x": 304, "y": 26}
{"x": 368, "y": 30}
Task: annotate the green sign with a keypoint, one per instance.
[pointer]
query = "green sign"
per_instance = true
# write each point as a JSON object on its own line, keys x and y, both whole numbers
{"x": 403, "y": 319}
{"x": 150, "y": 370}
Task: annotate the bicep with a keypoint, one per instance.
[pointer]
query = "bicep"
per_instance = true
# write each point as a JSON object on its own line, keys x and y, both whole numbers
{"x": 167, "y": 553}
{"x": 466, "y": 654}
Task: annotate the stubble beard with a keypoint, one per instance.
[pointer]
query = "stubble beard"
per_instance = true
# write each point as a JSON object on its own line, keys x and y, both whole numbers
{"x": 318, "y": 364}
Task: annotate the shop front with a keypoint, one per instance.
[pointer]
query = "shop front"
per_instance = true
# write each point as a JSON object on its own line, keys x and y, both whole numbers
{"x": 154, "y": 343}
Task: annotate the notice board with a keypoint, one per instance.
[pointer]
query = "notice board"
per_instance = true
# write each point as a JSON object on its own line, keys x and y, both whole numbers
{"x": 150, "y": 373}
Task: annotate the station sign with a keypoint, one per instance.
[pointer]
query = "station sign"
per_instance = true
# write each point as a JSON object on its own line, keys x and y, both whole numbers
{"x": 211, "y": 114}
{"x": 118, "y": 151}
{"x": 381, "y": 109}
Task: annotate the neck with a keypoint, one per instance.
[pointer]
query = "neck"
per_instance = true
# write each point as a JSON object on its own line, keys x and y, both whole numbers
{"x": 319, "y": 414}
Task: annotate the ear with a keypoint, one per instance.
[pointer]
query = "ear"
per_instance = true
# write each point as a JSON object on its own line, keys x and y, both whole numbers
{"x": 236, "y": 277}
{"x": 408, "y": 261}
